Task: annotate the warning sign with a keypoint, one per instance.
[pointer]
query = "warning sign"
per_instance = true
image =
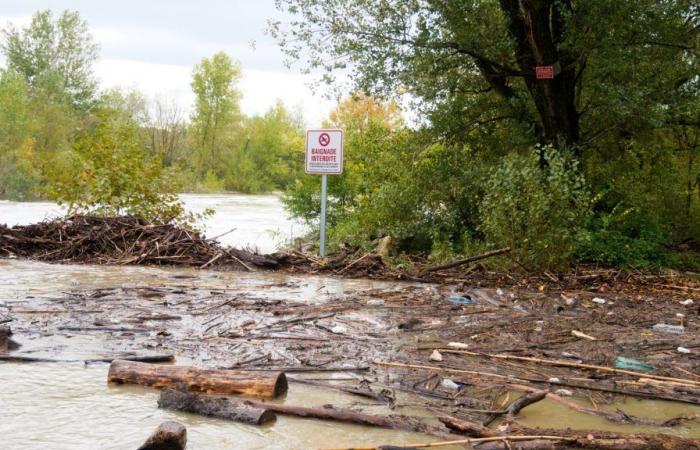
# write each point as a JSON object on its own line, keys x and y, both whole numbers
{"x": 324, "y": 152}
{"x": 544, "y": 72}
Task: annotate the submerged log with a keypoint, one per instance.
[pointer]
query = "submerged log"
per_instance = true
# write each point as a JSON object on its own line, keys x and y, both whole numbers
{"x": 236, "y": 410}
{"x": 219, "y": 407}
{"x": 569, "y": 439}
{"x": 6, "y": 343}
{"x": 168, "y": 436}
{"x": 268, "y": 385}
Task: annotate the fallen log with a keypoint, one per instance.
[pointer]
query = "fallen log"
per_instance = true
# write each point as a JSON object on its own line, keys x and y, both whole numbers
{"x": 461, "y": 262}
{"x": 394, "y": 422}
{"x": 220, "y": 407}
{"x": 32, "y": 359}
{"x": 568, "y": 439}
{"x": 168, "y": 436}
{"x": 267, "y": 385}
{"x": 7, "y": 344}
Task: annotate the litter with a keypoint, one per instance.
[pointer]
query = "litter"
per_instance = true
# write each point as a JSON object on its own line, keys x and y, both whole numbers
{"x": 460, "y": 300}
{"x": 666, "y": 328}
{"x": 436, "y": 356}
{"x": 636, "y": 365}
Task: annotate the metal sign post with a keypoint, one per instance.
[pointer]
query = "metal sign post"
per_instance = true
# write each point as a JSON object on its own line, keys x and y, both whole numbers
{"x": 324, "y": 156}
{"x": 322, "y": 246}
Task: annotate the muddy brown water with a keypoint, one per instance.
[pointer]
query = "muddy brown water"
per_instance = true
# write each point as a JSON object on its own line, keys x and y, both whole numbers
{"x": 70, "y": 405}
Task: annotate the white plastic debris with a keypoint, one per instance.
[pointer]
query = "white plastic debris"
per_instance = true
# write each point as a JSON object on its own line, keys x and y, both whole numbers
{"x": 564, "y": 392}
{"x": 538, "y": 325}
{"x": 683, "y": 350}
{"x": 339, "y": 329}
{"x": 598, "y": 300}
{"x": 666, "y": 328}
{"x": 582, "y": 335}
{"x": 554, "y": 380}
{"x": 687, "y": 302}
{"x": 458, "y": 345}
{"x": 499, "y": 292}
{"x": 436, "y": 356}
{"x": 449, "y": 384}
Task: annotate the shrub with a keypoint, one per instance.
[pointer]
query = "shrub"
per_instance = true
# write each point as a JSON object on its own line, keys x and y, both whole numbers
{"x": 536, "y": 210}
{"x": 112, "y": 174}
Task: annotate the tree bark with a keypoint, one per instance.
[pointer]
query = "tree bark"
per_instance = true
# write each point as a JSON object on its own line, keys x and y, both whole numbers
{"x": 219, "y": 407}
{"x": 536, "y": 27}
{"x": 268, "y": 385}
{"x": 168, "y": 436}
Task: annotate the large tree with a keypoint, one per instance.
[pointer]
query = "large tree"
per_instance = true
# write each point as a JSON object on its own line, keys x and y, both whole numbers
{"x": 472, "y": 63}
{"x": 58, "y": 52}
{"x": 214, "y": 82}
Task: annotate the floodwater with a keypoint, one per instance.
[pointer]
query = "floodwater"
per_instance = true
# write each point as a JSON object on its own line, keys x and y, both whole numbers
{"x": 258, "y": 221}
{"x": 71, "y": 406}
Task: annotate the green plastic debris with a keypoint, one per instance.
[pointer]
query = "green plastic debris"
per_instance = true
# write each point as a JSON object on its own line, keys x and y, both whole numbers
{"x": 632, "y": 364}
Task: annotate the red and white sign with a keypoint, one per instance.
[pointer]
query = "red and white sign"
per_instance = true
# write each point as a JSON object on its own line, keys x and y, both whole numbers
{"x": 544, "y": 72}
{"x": 324, "y": 152}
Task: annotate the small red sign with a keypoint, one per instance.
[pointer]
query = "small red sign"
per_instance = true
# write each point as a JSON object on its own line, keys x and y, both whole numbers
{"x": 544, "y": 72}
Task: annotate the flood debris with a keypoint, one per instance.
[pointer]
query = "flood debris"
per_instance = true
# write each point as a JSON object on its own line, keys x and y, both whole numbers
{"x": 219, "y": 407}
{"x": 269, "y": 385}
{"x": 121, "y": 240}
{"x": 521, "y": 337}
{"x": 169, "y": 435}
{"x": 6, "y": 342}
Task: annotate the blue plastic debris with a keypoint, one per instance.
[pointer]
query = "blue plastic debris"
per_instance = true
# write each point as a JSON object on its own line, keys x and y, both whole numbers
{"x": 460, "y": 300}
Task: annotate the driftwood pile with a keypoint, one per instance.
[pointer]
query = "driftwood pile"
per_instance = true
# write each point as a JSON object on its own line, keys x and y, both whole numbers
{"x": 121, "y": 240}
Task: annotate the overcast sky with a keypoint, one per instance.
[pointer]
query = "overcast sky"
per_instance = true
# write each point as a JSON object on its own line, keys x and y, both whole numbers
{"x": 153, "y": 44}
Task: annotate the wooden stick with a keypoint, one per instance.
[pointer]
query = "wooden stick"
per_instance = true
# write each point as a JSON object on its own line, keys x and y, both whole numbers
{"x": 465, "y": 441}
{"x": 461, "y": 262}
{"x": 550, "y": 362}
{"x": 239, "y": 261}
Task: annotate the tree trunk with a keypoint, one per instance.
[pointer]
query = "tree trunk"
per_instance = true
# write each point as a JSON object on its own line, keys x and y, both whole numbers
{"x": 267, "y": 385}
{"x": 168, "y": 436}
{"x": 536, "y": 27}
{"x": 219, "y": 407}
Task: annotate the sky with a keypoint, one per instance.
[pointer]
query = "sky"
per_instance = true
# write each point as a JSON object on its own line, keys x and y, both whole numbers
{"x": 152, "y": 45}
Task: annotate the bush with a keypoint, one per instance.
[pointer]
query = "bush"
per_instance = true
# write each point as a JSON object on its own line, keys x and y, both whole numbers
{"x": 536, "y": 211}
{"x": 111, "y": 174}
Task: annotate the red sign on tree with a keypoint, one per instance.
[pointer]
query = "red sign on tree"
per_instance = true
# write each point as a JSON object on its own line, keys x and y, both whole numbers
{"x": 544, "y": 72}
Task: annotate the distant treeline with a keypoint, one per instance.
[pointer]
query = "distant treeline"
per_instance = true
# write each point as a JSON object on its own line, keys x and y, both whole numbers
{"x": 53, "y": 117}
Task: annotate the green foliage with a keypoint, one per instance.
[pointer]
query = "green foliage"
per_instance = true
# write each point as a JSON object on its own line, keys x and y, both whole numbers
{"x": 217, "y": 112}
{"x": 111, "y": 174}
{"x": 269, "y": 154}
{"x": 536, "y": 211}
{"x": 616, "y": 240}
{"x": 54, "y": 53}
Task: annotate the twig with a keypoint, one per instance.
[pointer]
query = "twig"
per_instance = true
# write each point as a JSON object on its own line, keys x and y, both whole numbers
{"x": 461, "y": 262}
{"x": 574, "y": 365}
